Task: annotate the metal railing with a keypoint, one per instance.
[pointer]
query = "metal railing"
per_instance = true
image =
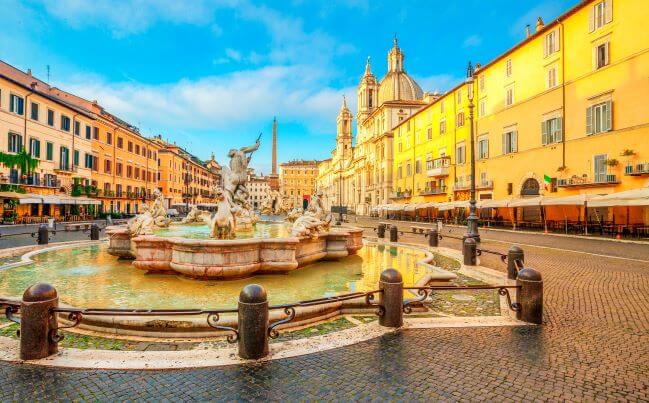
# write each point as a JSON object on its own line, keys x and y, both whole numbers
{"x": 427, "y": 291}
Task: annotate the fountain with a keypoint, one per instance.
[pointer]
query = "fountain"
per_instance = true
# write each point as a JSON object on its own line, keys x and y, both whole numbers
{"x": 227, "y": 254}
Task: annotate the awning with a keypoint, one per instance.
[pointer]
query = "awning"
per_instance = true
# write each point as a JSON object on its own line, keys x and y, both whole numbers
{"x": 635, "y": 197}
{"x": 460, "y": 204}
{"x": 23, "y": 198}
{"x": 444, "y": 206}
{"x": 410, "y": 207}
{"x": 207, "y": 205}
{"x": 576, "y": 200}
{"x": 494, "y": 203}
{"x": 529, "y": 202}
{"x": 67, "y": 200}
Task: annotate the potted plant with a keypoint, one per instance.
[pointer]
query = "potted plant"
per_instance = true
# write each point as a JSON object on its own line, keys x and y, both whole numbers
{"x": 612, "y": 162}
{"x": 628, "y": 153}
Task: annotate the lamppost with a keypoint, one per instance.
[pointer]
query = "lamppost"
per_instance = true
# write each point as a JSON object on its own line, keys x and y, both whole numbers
{"x": 472, "y": 220}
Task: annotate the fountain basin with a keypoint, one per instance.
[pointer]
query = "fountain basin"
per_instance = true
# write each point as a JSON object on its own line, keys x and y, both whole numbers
{"x": 213, "y": 259}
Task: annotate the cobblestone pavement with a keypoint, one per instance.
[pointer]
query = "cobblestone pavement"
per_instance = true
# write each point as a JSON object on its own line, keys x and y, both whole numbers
{"x": 594, "y": 345}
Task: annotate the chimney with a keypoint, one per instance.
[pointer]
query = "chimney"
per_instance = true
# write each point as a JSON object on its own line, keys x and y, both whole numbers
{"x": 29, "y": 72}
{"x": 539, "y": 24}
{"x": 527, "y": 31}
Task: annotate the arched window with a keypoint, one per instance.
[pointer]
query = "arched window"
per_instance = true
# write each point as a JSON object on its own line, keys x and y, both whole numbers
{"x": 530, "y": 187}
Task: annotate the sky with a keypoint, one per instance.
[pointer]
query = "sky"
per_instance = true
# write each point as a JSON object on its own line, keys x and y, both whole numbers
{"x": 210, "y": 75}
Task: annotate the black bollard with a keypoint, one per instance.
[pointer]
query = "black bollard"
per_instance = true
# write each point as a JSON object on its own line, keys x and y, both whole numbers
{"x": 391, "y": 298}
{"x": 43, "y": 235}
{"x": 433, "y": 238}
{"x": 394, "y": 233}
{"x": 253, "y": 322}
{"x": 94, "y": 232}
{"x": 513, "y": 254}
{"x": 469, "y": 252}
{"x": 530, "y": 296}
{"x": 380, "y": 230}
{"x": 37, "y": 323}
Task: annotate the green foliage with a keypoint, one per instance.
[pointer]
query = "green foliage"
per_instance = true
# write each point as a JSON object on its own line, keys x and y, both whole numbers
{"x": 6, "y": 187}
{"x": 24, "y": 162}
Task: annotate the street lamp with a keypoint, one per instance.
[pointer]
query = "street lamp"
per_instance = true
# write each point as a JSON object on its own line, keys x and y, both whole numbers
{"x": 472, "y": 220}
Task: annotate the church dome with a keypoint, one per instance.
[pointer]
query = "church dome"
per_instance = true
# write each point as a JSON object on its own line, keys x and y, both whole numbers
{"x": 397, "y": 85}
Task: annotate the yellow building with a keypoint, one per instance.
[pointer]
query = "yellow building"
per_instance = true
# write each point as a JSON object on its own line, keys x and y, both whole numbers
{"x": 297, "y": 181}
{"x": 564, "y": 112}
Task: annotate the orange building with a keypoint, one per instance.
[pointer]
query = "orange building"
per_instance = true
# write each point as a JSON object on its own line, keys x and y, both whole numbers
{"x": 183, "y": 178}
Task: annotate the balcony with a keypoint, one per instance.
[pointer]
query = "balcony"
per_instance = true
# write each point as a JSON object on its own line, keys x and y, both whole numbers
{"x": 438, "y": 167}
{"x": 433, "y": 191}
{"x": 586, "y": 181}
{"x": 400, "y": 195}
{"x": 481, "y": 185}
{"x": 637, "y": 169}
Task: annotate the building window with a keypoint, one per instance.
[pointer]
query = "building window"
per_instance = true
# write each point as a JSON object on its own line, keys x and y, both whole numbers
{"x": 109, "y": 138}
{"x": 460, "y": 119}
{"x": 65, "y": 123}
{"x": 599, "y": 118}
{"x": 64, "y": 161}
{"x": 418, "y": 166}
{"x": 408, "y": 169}
{"x": 49, "y": 151}
{"x": 600, "y": 14}
{"x": 460, "y": 156}
{"x": 481, "y": 82}
{"x": 16, "y": 104}
{"x": 441, "y": 107}
{"x": 552, "y": 77}
{"x": 77, "y": 128}
{"x": 601, "y": 55}
{"x": 508, "y": 68}
{"x": 400, "y": 147}
{"x": 50, "y": 117}
{"x": 459, "y": 97}
{"x": 399, "y": 172}
{"x": 482, "y": 108}
{"x": 75, "y": 158}
{"x": 509, "y": 96}
{"x": 88, "y": 161}
{"x": 510, "y": 142}
{"x": 130, "y": 146}
{"x": 35, "y": 147}
{"x": 14, "y": 142}
{"x": 551, "y": 131}
{"x": 118, "y": 169}
{"x": 551, "y": 43}
{"x": 107, "y": 166}
{"x": 129, "y": 171}
{"x": 88, "y": 132}
{"x": 483, "y": 147}
{"x": 95, "y": 133}
{"x": 442, "y": 127}
{"x": 600, "y": 167}
{"x": 120, "y": 143}
{"x": 34, "y": 111}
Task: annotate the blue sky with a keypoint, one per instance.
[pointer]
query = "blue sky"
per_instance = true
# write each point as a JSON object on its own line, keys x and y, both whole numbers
{"x": 211, "y": 74}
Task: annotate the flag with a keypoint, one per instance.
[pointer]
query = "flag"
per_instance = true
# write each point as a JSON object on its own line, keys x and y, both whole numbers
{"x": 546, "y": 182}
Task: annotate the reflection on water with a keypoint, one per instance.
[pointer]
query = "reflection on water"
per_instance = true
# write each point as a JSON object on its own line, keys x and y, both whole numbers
{"x": 89, "y": 277}
{"x": 201, "y": 231}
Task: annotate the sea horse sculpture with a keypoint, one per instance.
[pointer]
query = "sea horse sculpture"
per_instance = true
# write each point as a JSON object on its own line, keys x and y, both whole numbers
{"x": 141, "y": 224}
{"x": 314, "y": 220}
{"x": 222, "y": 223}
{"x": 194, "y": 216}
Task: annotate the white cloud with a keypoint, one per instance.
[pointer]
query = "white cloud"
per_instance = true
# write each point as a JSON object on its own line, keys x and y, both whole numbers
{"x": 473, "y": 40}
{"x": 297, "y": 93}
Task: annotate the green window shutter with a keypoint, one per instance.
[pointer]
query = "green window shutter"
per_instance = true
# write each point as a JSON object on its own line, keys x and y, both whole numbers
{"x": 544, "y": 132}
{"x": 9, "y": 142}
{"x": 20, "y": 143}
{"x": 76, "y": 157}
{"x": 589, "y": 120}
{"x": 37, "y": 151}
{"x": 504, "y": 143}
{"x": 559, "y": 134}
{"x": 608, "y": 116}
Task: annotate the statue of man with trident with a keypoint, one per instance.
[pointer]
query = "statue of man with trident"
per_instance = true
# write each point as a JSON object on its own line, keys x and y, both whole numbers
{"x": 235, "y": 183}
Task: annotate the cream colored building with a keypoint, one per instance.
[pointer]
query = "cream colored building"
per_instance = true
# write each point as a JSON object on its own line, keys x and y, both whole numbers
{"x": 259, "y": 188}
{"x": 360, "y": 176}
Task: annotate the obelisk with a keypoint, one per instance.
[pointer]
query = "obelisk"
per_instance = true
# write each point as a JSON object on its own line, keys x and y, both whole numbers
{"x": 273, "y": 179}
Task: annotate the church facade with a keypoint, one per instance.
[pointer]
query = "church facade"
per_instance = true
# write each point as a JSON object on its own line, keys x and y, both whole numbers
{"x": 359, "y": 174}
